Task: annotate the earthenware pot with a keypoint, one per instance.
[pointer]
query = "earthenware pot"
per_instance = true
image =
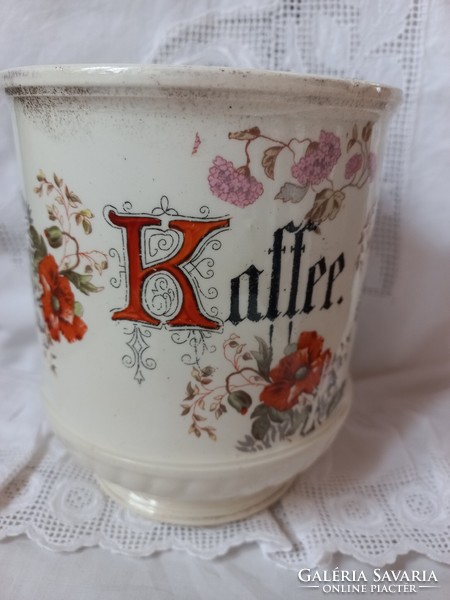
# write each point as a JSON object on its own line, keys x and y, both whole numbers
{"x": 198, "y": 241}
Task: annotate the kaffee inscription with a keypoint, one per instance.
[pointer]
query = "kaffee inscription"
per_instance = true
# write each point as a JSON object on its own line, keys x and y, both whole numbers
{"x": 316, "y": 292}
{"x": 320, "y": 271}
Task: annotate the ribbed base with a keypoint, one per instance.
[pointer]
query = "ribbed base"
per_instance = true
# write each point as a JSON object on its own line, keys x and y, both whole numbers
{"x": 213, "y": 512}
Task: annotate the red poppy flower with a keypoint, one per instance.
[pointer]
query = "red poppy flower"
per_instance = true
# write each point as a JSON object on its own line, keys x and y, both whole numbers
{"x": 296, "y": 374}
{"x": 58, "y": 303}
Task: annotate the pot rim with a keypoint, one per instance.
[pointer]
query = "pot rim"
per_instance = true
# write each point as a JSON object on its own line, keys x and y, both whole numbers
{"x": 82, "y": 79}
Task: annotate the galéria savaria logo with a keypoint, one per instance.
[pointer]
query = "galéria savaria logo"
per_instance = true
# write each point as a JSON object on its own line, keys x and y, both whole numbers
{"x": 378, "y": 581}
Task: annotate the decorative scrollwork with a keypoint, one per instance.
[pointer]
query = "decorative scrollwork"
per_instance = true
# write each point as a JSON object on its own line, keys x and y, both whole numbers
{"x": 117, "y": 281}
{"x": 137, "y": 342}
{"x": 164, "y": 208}
{"x": 163, "y": 296}
{"x": 197, "y": 340}
{"x": 214, "y": 244}
{"x": 161, "y": 292}
{"x": 159, "y": 244}
{"x": 204, "y": 267}
{"x": 210, "y": 294}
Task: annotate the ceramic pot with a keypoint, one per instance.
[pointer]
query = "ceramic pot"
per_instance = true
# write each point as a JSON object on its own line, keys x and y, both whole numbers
{"x": 198, "y": 242}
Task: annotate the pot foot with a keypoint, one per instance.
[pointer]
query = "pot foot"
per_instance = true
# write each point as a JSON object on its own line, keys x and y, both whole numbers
{"x": 213, "y": 512}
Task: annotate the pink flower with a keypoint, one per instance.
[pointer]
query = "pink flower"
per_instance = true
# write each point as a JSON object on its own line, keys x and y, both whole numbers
{"x": 372, "y": 164}
{"x": 232, "y": 185}
{"x": 319, "y": 160}
{"x": 330, "y": 146}
{"x": 310, "y": 169}
{"x": 353, "y": 165}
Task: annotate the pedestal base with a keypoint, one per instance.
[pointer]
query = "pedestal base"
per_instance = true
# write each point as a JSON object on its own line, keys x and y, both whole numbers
{"x": 213, "y": 512}
{"x": 203, "y": 493}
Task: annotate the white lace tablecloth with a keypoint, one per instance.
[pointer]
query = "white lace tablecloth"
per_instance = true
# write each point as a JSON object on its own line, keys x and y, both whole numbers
{"x": 384, "y": 487}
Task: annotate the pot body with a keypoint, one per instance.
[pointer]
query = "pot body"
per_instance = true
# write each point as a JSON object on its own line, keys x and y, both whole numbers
{"x": 198, "y": 241}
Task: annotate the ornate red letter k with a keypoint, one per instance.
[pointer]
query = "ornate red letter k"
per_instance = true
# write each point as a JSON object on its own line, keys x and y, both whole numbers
{"x": 193, "y": 234}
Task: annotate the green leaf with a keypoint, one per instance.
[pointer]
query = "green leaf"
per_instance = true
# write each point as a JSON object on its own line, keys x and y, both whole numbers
{"x": 263, "y": 357}
{"x": 85, "y": 212}
{"x": 87, "y": 226}
{"x": 240, "y": 400}
{"x": 37, "y": 245}
{"x": 260, "y": 411}
{"x": 78, "y": 309}
{"x": 260, "y": 427}
{"x": 278, "y": 416}
{"x": 299, "y": 419}
{"x": 336, "y": 398}
{"x": 54, "y": 236}
{"x": 81, "y": 282}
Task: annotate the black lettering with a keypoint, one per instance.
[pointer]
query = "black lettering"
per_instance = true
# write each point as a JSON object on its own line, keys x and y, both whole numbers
{"x": 315, "y": 274}
{"x": 252, "y": 307}
{"x": 335, "y": 270}
{"x": 297, "y": 249}
{"x": 278, "y": 249}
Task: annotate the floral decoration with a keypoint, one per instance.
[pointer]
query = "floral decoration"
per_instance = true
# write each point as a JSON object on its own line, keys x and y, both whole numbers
{"x": 313, "y": 163}
{"x": 353, "y": 165}
{"x": 61, "y": 266}
{"x": 235, "y": 186}
{"x": 58, "y": 303}
{"x": 285, "y": 396}
{"x": 319, "y": 160}
{"x": 297, "y": 373}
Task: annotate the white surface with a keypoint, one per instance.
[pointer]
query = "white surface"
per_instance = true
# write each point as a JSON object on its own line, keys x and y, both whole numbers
{"x": 129, "y": 398}
{"x": 397, "y": 437}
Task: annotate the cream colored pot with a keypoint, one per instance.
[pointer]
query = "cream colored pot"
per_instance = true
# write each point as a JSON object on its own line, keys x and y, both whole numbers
{"x": 198, "y": 241}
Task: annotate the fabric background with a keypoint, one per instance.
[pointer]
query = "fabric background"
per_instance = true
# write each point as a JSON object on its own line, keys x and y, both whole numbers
{"x": 384, "y": 489}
